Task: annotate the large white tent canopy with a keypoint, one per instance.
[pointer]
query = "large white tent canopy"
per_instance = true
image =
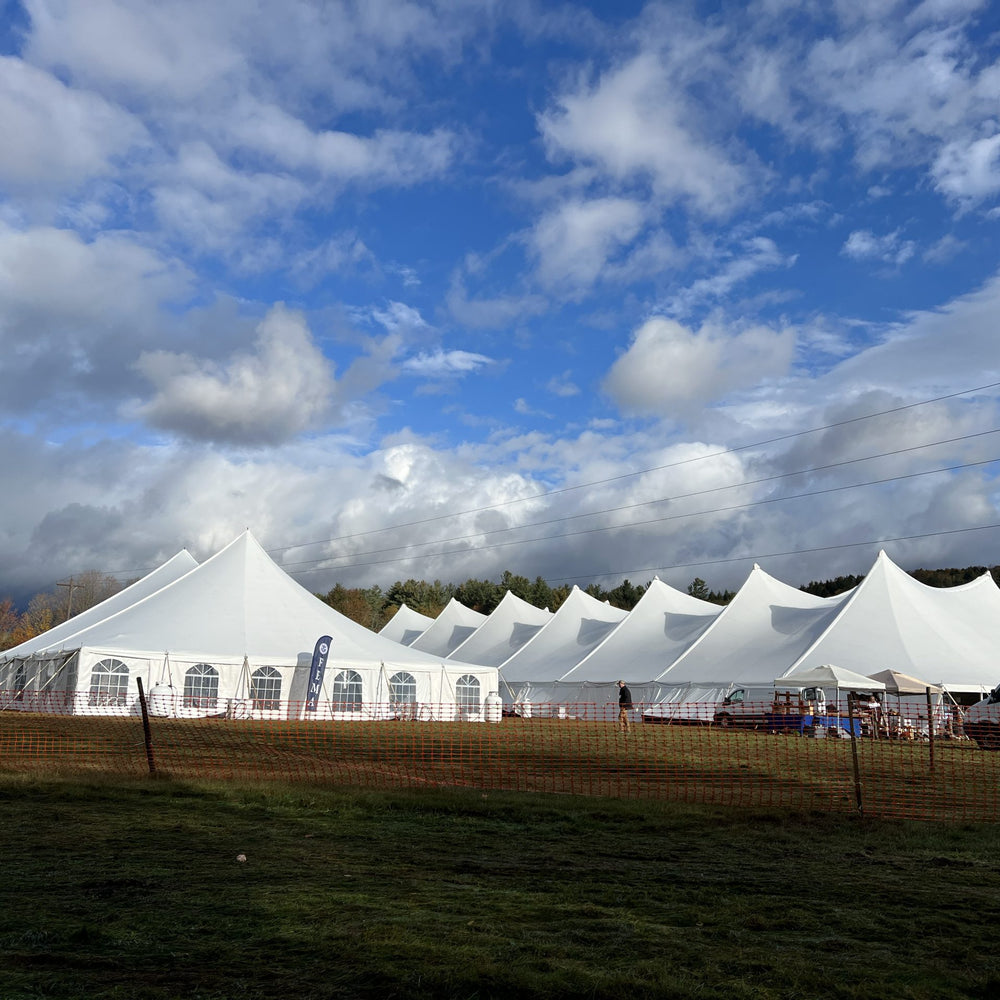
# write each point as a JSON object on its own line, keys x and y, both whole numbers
{"x": 674, "y": 649}
{"x": 237, "y": 628}
{"x": 449, "y": 630}
{"x": 406, "y": 625}
{"x": 511, "y": 624}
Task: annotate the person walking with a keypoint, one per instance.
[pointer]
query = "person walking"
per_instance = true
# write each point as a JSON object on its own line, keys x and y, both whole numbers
{"x": 624, "y": 705}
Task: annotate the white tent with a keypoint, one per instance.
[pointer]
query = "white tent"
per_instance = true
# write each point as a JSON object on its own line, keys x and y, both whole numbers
{"x": 511, "y": 624}
{"x": 449, "y": 630}
{"x": 406, "y": 625}
{"x": 892, "y": 621}
{"x": 574, "y": 630}
{"x": 173, "y": 569}
{"x": 237, "y": 634}
{"x": 662, "y": 626}
{"x": 829, "y": 677}
{"x": 766, "y": 626}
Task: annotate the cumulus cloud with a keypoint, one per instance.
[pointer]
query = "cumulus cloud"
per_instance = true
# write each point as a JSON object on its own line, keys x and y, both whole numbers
{"x": 266, "y": 397}
{"x": 57, "y": 137}
{"x": 863, "y": 244}
{"x": 969, "y": 171}
{"x": 669, "y": 369}
{"x": 635, "y": 125}
{"x": 574, "y": 241}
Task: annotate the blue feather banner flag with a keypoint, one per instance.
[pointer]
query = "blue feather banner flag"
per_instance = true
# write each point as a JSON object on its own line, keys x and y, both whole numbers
{"x": 316, "y": 671}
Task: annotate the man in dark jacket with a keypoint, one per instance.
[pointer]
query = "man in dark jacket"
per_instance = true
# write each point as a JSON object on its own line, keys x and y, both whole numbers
{"x": 624, "y": 705}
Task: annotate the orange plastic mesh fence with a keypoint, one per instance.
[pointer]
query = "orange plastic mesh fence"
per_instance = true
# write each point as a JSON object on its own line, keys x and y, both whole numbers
{"x": 578, "y": 749}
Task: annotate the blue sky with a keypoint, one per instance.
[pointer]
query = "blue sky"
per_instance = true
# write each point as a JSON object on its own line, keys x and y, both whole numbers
{"x": 459, "y": 267}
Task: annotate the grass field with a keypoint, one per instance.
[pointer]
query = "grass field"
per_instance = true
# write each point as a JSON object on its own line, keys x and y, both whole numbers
{"x": 130, "y": 888}
{"x": 694, "y": 764}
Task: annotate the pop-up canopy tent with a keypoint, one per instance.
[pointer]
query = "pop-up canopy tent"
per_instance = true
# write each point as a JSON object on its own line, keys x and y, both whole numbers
{"x": 907, "y": 696}
{"x": 237, "y": 634}
{"x": 832, "y": 679}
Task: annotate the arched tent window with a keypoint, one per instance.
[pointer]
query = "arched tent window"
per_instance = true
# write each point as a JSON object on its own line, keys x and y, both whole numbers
{"x": 403, "y": 692}
{"x": 346, "y": 695}
{"x": 108, "y": 684}
{"x": 467, "y": 693}
{"x": 265, "y": 689}
{"x": 201, "y": 686}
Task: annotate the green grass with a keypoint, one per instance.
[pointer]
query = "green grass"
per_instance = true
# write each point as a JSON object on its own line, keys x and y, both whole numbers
{"x": 129, "y": 888}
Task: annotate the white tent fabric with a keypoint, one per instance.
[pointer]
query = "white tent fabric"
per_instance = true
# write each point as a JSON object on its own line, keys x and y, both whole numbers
{"x": 512, "y": 623}
{"x": 662, "y": 626}
{"x": 173, "y": 569}
{"x": 406, "y": 626}
{"x": 238, "y": 631}
{"x": 766, "y": 626}
{"x": 903, "y": 684}
{"x": 449, "y": 630}
{"x": 574, "y": 630}
{"x": 892, "y": 621}
{"x": 829, "y": 677}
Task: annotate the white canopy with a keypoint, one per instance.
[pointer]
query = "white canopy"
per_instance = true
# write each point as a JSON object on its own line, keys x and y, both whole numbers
{"x": 513, "y": 622}
{"x": 662, "y": 626}
{"x": 235, "y": 618}
{"x": 892, "y": 621}
{"x": 449, "y": 630}
{"x": 406, "y": 625}
{"x": 173, "y": 569}
{"x": 828, "y": 676}
{"x": 767, "y": 625}
{"x": 576, "y": 628}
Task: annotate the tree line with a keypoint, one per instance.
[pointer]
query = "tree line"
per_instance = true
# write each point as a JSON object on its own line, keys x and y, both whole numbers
{"x": 373, "y": 607}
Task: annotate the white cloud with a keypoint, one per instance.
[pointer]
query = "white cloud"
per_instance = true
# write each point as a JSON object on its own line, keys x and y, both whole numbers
{"x": 635, "y": 125}
{"x": 574, "y": 241}
{"x": 863, "y": 244}
{"x": 397, "y": 316}
{"x": 284, "y": 388}
{"x": 563, "y": 385}
{"x": 57, "y": 137}
{"x": 669, "y": 369}
{"x": 969, "y": 171}
{"x": 446, "y": 364}
{"x": 758, "y": 254}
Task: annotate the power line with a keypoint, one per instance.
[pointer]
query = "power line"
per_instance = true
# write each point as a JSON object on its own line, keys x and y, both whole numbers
{"x": 641, "y": 472}
{"x": 790, "y": 552}
{"x": 682, "y": 496}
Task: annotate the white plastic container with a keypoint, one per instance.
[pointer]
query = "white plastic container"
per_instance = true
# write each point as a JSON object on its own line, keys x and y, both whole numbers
{"x": 493, "y": 707}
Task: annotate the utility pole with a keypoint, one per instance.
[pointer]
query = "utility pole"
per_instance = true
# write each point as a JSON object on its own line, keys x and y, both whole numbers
{"x": 71, "y": 583}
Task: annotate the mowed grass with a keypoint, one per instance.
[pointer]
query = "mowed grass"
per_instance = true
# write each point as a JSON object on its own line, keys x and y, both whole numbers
{"x": 130, "y": 887}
